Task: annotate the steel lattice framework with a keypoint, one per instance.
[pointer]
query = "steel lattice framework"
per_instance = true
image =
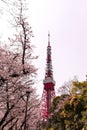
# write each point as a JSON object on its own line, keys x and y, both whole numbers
{"x": 49, "y": 83}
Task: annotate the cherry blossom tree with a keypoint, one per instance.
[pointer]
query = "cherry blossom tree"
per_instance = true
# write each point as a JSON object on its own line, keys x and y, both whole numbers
{"x": 18, "y": 101}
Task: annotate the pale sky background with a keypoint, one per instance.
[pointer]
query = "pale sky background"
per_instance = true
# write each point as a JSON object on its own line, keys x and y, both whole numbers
{"x": 67, "y": 22}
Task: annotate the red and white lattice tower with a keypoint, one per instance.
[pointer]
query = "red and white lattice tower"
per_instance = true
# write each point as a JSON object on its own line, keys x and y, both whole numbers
{"x": 49, "y": 83}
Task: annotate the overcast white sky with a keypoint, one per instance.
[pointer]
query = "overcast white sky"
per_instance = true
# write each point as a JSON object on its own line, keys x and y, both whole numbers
{"x": 67, "y": 22}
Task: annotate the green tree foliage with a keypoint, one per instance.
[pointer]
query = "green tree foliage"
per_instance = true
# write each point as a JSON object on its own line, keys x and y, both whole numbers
{"x": 69, "y": 112}
{"x": 80, "y": 88}
{"x": 58, "y": 118}
{"x": 72, "y": 112}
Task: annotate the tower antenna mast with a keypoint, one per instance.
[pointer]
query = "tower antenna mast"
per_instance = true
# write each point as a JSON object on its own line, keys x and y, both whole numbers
{"x": 48, "y": 38}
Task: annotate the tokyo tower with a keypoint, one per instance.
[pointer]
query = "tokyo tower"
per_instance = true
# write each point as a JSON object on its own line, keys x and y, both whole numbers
{"x": 49, "y": 83}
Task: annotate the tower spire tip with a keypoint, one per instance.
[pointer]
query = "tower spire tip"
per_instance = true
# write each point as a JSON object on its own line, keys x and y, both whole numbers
{"x": 48, "y": 38}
